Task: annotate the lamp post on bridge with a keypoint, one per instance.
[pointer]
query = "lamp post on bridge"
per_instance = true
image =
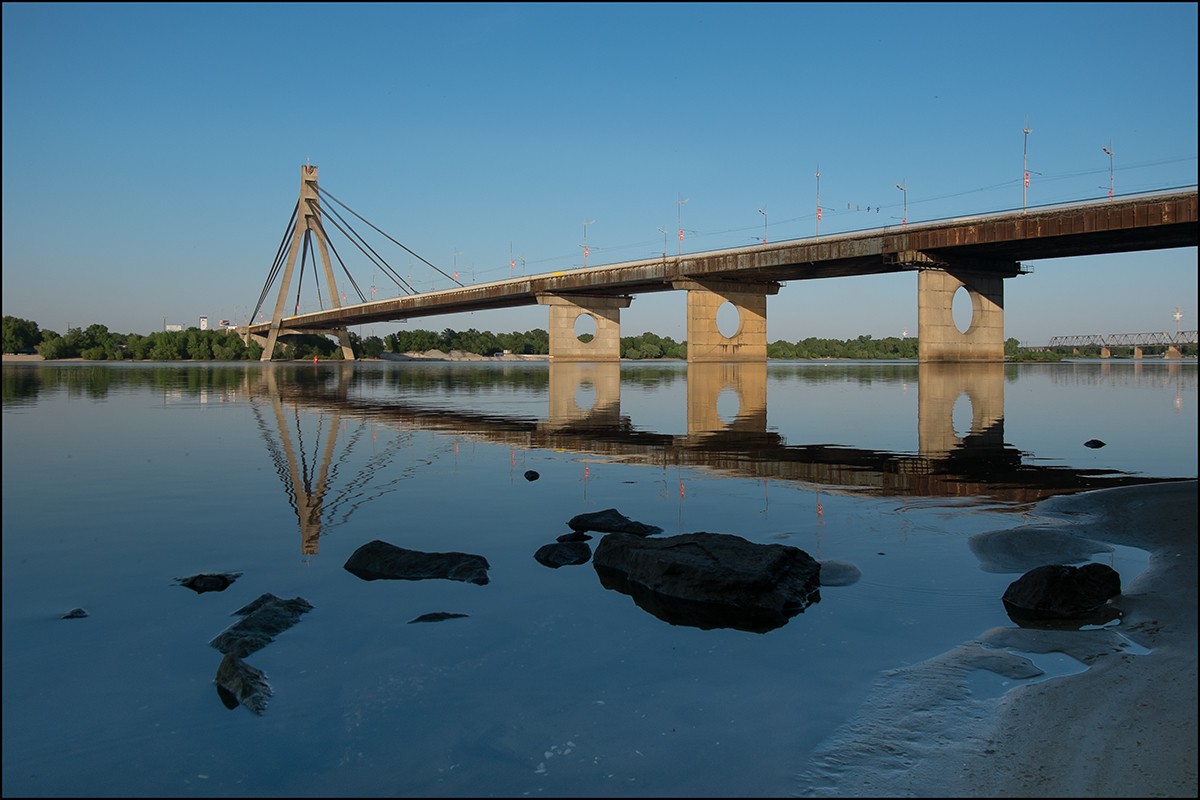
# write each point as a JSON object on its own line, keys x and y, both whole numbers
{"x": 764, "y": 225}
{"x": 1025, "y": 167}
{"x": 903, "y": 188}
{"x": 585, "y": 247}
{"x": 1110, "y": 170}
{"x": 818, "y": 174}
{"x": 679, "y": 220}
{"x": 663, "y": 231}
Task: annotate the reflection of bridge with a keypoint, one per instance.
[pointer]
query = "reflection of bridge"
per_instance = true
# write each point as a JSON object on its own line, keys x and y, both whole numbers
{"x": 1107, "y": 341}
{"x": 976, "y": 463}
{"x": 975, "y": 254}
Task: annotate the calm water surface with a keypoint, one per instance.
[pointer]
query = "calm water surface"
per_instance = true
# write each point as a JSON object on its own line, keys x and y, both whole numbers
{"x": 119, "y": 479}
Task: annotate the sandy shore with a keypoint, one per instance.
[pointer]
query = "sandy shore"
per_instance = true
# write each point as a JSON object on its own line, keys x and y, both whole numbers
{"x": 1123, "y": 727}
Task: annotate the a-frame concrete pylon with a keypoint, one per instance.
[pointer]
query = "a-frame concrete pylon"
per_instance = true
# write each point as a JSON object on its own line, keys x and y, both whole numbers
{"x": 308, "y": 221}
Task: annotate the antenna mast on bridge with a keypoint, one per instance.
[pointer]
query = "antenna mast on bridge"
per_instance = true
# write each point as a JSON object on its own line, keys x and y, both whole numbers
{"x": 308, "y": 224}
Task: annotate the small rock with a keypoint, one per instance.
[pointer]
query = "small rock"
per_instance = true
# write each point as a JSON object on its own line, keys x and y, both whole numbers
{"x": 610, "y": 521}
{"x": 563, "y": 554}
{"x": 75, "y": 613}
{"x": 1062, "y": 592}
{"x": 209, "y": 581}
{"x": 1093, "y": 443}
{"x": 379, "y": 560}
{"x": 436, "y": 616}
{"x": 574, "y": 536}
{"x": 531, "y": 475}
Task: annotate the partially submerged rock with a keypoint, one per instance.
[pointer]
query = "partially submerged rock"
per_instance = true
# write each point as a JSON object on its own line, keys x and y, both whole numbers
{"x": 1022, "y": 549}
{"x": 209, "y": 581}
{"x": 561, "y": 554}
{"x": 238, "y": 683}
{"x": 610, "y": 521}
{"x": 261, "y": 621}
{"x": 379, "y": 560}
{"x": 436, "y": 616}
{"x": 1058, "y": 594}
{"x": 710, "y": 580}
{"x": 574, "y": 536}
{"x": 75, "y": 613}
{"x": 839, "y": 573}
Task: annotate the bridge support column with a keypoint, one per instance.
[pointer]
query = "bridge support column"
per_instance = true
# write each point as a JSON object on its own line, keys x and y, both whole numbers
{"x": 1172, "y": 352}
{"x": 1105, "y": 352}
{"x": 940, "y": 338}
{"x": 1137, "y": 352}
{"x": 705, "y": 342}
{"x": 565, "y": 310}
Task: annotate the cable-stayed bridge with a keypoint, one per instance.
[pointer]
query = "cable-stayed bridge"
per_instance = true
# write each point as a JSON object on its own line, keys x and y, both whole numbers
{"x": 975, "y": 254}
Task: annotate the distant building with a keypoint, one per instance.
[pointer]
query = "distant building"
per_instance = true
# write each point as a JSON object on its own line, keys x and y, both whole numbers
{"x": 204, "y": 323}
{"x": 171, "y": 326}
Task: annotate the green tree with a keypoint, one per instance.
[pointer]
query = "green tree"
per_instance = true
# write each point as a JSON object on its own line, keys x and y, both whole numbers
{"x": 20, "y": 335}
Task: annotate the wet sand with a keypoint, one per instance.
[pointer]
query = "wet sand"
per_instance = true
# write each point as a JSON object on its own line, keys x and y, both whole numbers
{"x": 1123, "y": 727}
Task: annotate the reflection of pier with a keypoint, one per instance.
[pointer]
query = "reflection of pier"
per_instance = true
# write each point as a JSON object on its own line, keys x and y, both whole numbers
{"x": 971, "y": 463}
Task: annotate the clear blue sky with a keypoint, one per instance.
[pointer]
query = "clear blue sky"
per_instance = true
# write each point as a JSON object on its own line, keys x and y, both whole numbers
{"x": 151, "y": 153}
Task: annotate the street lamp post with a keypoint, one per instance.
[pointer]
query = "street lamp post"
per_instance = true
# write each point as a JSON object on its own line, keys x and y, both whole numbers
{"x": 818, "y": 174}
{"x": 1025, "y": 167}
{"x": 663, "y": 231}
{"x": 1110, "y": 171}
{"x": 764, "y": 225}
{"x": 904, "y": 188}
{"x": 679, "y": 220}
{"x": 585, "y": 247}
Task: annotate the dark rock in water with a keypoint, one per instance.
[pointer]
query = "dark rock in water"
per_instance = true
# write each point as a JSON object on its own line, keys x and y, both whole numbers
{"x": 710, "y": 580}
{"x": 436, "y": 616}
{"x": 261, "y": 621}
{"x": 1058, "y": 593}
{"x": 209, "y": 581}
{"x": 574, "y": 536}
{"x": 238, "y": 683}
{"x": 839, "y": 573}
{"x": 75, "y": 613}
{"x": 563, "y": 554}
{"x": 1093, "y": 443}
{"x": 610, "y": 521}
{"x": 531, "y": 475}
{"x": 379, "y": 560}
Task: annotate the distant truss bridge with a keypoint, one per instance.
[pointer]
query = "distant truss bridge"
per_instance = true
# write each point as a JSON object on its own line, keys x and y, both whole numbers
{"x": 1161, "y": 339}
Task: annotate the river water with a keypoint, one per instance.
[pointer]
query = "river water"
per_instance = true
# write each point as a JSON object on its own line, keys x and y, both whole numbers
{"x": 120, "y": 479}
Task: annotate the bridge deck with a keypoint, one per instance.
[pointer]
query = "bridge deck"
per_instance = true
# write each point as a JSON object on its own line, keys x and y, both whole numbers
{"x": 994, "y": 243}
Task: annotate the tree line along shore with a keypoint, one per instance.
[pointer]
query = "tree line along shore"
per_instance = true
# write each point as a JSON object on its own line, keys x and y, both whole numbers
{"x": 97, "y": 343}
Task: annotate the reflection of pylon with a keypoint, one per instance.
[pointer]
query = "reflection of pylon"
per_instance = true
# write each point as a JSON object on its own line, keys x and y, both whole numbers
{"x": 308, "y": 483}
{"x": 309, "y": 499}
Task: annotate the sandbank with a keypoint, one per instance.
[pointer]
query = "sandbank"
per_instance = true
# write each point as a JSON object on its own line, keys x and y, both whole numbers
{"x": 1124, "y": 726}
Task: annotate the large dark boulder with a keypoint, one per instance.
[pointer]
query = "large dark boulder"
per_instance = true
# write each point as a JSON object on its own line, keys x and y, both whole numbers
{"x": 379, "y": 560}
{"x": 1059, "y": 593}
{"x": 610, "y": 521}
{"x": 261, "y": 621}
{"x": 710, "y": 580}
{"x": 562, "y": 554}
